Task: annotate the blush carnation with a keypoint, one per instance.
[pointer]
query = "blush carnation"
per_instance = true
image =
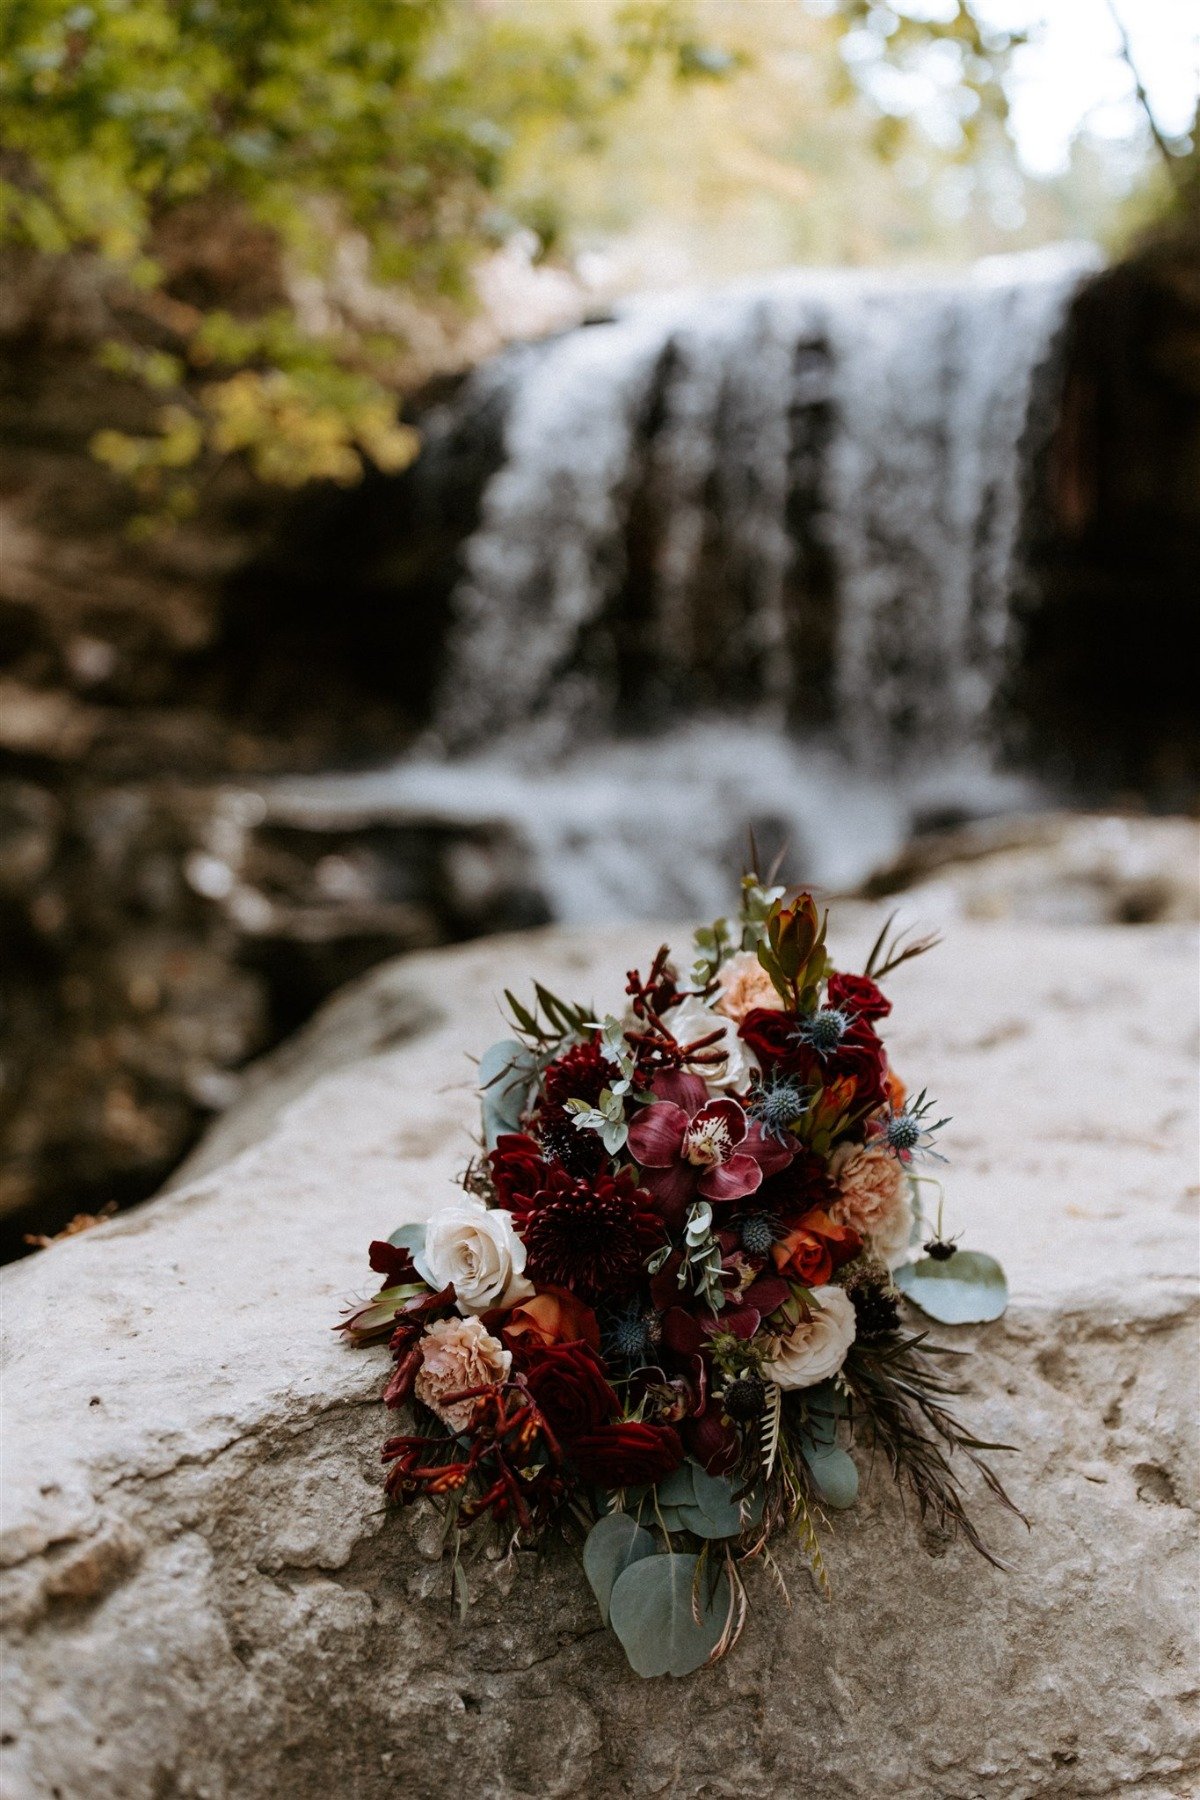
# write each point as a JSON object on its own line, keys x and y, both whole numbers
{"x": 873, "y": 1200}
{"x": 457, "y": 1354}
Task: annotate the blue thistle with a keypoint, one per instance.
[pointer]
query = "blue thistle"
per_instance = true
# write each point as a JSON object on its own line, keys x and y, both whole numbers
{"x": 777, "y": 1102}
{"x": 758, "y": 1234}
{"x": 908, "y": 1130}
{"x": 631, "y": 1335}
{"x": 824, "y": 1029}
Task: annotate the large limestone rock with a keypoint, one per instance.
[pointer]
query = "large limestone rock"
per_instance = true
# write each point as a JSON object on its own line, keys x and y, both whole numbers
{"x": 206, "y": 1596}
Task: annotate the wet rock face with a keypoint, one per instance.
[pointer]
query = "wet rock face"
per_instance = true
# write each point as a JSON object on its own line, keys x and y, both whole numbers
{"x": 204, "y": 1594}
{"x": 159, "y": 936}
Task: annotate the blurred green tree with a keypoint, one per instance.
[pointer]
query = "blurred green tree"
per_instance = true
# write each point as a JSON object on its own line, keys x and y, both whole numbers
{"x": 214, "y": 153}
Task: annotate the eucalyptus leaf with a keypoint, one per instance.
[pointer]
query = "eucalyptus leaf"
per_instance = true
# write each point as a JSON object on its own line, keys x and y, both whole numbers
{"x": 506, "y": 1073}
{"x": 614, "y": 1543}
{"x": 650, "y": 1609}
{"x": 678, "y": 1488}
{"x": 410, "y": 1238}
{"x": 723, "y": 1514}
{"x": 965, "y": 1288}
{"x": 834, "y": 1472}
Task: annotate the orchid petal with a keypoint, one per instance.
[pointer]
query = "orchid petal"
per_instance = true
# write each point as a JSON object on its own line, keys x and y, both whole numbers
{"x": 683, "y": 1090}
{"x": 740, "y": 1175}
{"x": 725, "y": 1112}
{"x": 656, "y": 1135}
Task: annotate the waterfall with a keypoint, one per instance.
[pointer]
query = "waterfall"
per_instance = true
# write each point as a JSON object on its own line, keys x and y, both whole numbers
{"x": 799, "y": 498}
{"x": 748, "y": 561}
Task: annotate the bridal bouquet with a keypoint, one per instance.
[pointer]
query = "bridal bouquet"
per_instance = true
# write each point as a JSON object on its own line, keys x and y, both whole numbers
{"x": 671, "y": 1297}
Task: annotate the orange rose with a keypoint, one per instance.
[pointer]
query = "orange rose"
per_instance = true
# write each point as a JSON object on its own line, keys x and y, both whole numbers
{"x": 814, "y": 1249}
{"x": 895, "y": 1089}
{"x": 551, "y": 1317}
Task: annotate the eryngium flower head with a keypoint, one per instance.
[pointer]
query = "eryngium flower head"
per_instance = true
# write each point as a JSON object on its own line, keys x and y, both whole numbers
{"x": 589, "y": 1235}
{"x": 875, "y": 1300}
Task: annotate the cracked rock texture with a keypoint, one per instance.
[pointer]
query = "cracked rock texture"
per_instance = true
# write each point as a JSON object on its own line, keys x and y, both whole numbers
{"x": 206, "y": 1597}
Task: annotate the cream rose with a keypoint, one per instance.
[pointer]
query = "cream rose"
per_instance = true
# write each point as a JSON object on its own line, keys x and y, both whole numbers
{"x": 874, "y": 1200}
{"x": 691, "y": 1019}
{"x": 817, "y": 1348}
{"x": 477, "y": 1248}
{"x": 458, "y": 1354}
{"x": 743, "y": 984}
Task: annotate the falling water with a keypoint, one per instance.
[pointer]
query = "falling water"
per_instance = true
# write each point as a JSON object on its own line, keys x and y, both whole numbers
{"x": 681, "y": 486}
{"x": 749, "y": 560}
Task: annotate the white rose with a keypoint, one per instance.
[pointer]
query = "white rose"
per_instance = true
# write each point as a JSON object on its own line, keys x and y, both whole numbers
{"x": 477, "y": 1248}
{"x": 817, "y": 1348}
{"x": 691, "y": 1019}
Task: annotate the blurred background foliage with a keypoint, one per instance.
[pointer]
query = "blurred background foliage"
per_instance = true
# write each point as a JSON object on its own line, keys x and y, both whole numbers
{"x": 300, "y": 199}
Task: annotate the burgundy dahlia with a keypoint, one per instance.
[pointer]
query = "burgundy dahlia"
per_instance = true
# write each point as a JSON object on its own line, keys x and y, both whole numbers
{"x": 581, "y": 1073}
{"x": 591, "y": 1236}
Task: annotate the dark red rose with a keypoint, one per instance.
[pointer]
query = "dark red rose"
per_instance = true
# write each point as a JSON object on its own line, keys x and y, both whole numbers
{"x": 518, "y": 1169}
{"x": 775, "y": 1040}
{"x": 772, "y": 1037}
{"x": 569, "y": 1385}
{"x": 628, "y": 1454}
{"x": 860, "y": 1055}
{"x": 859, "y": 996}
{"x": 804, "y": 1183}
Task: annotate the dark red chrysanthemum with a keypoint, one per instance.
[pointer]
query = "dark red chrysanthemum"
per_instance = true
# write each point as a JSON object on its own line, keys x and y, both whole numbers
{"x": 581, "y": 1073}
{"x": 589, "y": 1236}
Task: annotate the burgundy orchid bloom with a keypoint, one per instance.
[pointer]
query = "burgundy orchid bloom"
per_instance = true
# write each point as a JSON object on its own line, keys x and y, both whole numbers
{"x": 693, "y": 1147}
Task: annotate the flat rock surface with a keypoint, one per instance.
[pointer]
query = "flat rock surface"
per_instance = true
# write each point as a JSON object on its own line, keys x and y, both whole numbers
{"x": 206, "y": 1596}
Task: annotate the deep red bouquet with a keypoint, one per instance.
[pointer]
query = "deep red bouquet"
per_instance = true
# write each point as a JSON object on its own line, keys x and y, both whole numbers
{"x": 671, "y": 1295}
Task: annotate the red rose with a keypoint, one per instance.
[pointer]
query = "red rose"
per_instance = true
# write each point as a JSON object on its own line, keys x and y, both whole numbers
{"x": 858, "y": 995}
{"x": 772, "y": 1037}
{"x": 815, "y": 1249}
{"x": 569, "y": 1385}
{"x": 804, "y": 1183}
{"x": 518, "y": 1169}
{"x": 628, "y": 1454}
{"x": 775, "y": 1040}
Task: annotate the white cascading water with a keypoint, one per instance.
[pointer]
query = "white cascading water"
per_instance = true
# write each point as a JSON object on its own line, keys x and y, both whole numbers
{"x": 892, "y": 412}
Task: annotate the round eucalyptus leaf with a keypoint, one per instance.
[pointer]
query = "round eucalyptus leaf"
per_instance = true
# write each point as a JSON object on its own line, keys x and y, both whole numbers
{"x": 834, "y": 1473}
{"x": 650, "y": 1609}
{"x": 966, "y": 1288}
{"x": 724, "y": 1514}
{"x": 678, "y": 1488}
{"x": 410, "y": 1238}
{"x": 613, "y": 1545}
{"x": 506, "y": 1073}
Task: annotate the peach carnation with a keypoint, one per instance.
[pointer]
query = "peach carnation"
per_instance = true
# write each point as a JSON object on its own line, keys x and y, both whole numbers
{"x": 458, "y": 1354}
{"x": 743, "y": 985}
{"x": 874, "y": 1200}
